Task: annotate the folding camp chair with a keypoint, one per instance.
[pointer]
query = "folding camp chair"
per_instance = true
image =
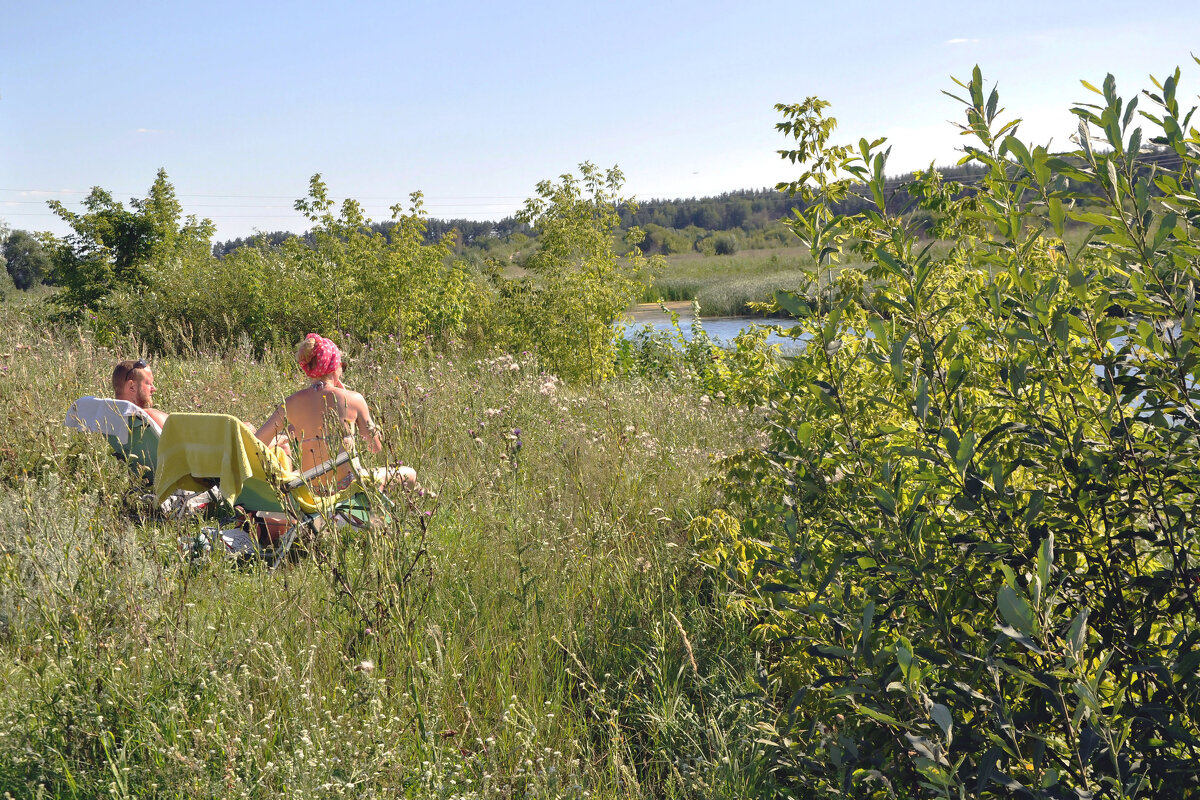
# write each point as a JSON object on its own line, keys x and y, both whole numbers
{"x": 133, "y": 437}
{"x": 131, "y": 432}
{"x": 198, "y": 450}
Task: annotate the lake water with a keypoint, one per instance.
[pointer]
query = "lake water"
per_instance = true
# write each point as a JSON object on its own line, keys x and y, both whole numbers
{"x": 721, "y": 329}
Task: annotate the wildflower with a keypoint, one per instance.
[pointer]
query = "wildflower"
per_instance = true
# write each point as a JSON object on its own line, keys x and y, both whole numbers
{"x": 367, "y": 665}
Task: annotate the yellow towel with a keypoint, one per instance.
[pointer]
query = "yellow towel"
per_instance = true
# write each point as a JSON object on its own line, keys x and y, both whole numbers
{"x": 208, "y": 446}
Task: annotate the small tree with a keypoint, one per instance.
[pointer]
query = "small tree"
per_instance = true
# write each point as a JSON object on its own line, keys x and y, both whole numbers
{"x": 579, "y": 286}
{"x": 972, "y": 538}
{"x": 109, "y": 245}
{"x": 371, "y": 283}
{"x": 724, "y": 245}
{"x": 27, "y": 261}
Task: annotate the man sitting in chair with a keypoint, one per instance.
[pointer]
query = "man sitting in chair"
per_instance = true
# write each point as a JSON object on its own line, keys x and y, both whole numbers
{"x": 134, "y": 381}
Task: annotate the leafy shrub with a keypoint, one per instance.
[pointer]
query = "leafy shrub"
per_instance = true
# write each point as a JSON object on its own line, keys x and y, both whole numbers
{"x": 971, "y": 541}
{"x": 144, "y": 272}
{"x": 577, "y": 286}
{"x": 26, "y": 261}
{"x": 110, "y": 245}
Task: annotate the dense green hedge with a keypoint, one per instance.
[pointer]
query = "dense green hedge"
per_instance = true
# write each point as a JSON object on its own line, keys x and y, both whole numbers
{"x": 971, "y": 542}
{"x": 148, "y": 273}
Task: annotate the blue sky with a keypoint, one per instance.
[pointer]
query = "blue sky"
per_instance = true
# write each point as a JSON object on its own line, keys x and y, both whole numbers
{"x": 473, "y": 103}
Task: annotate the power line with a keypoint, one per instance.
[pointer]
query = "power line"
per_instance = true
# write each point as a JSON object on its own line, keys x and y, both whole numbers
{"x": 281, "y": 196}
{"x": 7, "y": 203}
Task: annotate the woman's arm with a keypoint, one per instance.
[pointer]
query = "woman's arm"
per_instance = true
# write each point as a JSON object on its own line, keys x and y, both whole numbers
{"x": 274, "y": 427}
{"x": 364, "y": 423}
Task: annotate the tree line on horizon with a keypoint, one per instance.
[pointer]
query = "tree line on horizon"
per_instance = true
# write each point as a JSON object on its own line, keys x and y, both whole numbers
{"x": 718, "y": 225}
{"x": 672, "y": 225}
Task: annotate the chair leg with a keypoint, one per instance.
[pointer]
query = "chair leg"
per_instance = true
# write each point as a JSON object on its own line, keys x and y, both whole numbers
{"x": 280, "y": 551}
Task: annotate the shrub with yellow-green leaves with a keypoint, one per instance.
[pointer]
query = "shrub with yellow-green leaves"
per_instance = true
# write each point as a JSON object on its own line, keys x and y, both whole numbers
{"x": 972, "y": 541}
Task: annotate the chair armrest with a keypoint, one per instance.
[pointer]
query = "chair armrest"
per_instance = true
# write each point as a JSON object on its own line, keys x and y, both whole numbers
{"x": 321, "y": 469}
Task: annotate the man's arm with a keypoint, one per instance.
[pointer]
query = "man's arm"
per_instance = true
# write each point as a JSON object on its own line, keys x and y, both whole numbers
{"x": 157, "y": 415}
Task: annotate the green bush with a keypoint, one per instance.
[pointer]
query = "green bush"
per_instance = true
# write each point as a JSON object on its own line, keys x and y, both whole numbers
{"x": 971, "y": 540}
{"x": 577, "y": 286}
{"x": 143, "y": 272}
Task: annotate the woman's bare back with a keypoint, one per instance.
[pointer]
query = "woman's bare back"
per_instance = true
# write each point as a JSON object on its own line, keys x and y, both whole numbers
{"x": 305, "y": 417}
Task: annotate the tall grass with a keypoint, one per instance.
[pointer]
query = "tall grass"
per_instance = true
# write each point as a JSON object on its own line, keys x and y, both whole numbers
{"x": 725, "y": 285}
{"x": 555, "y": 639}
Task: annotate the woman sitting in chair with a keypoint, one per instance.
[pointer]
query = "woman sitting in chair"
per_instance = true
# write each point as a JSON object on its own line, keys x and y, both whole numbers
{"x": 302, "y": 417}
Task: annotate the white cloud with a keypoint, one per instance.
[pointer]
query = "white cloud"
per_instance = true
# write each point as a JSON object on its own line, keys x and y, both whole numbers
{"x": 148, "y": 130}
{"x": 961, "y": 41}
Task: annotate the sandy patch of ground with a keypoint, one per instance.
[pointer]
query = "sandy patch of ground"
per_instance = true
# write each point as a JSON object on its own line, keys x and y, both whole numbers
{"x": 651, "y": 312}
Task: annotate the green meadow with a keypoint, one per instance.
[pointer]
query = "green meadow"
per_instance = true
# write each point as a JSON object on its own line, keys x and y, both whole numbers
{"x": 553, "y": 639}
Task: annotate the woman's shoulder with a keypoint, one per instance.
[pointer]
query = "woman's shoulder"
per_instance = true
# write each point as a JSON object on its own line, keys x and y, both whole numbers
{"x": 352, "y": 395}
{"x": 344, "y": 395}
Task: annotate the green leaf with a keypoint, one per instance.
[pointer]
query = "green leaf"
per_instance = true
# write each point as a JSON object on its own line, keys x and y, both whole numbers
{"x": 1014, "y": 670}
{"x": 1057, "y": 215}
{"x": 1078, "y": 632}
{"x": 921, "y": 408}
{"x": 1017, "y": 636}
{"x": 793, "y": 304}
{"x": 1091, "y": 217}
{"x": 884, "y": 499}
{"x": 1113, "y": 178}
{"x": 1045, "y": 560}
{"x": 1165, "y": 227}
{"x": 1037, "y": 499}
{"x": 804, "y": 433}
{"x": 897, "y": 357}
{"x": 1085, "y": 140}
{"x": 965, "y": 451}
{"x": 1015, "y": 610}
{"x": 941, "y": 715}
{"x": 868, "y": 619}
{"x": 890, "y": 262}
{"x": 904, "y": 654}
{"x": 1016, "y": 146}
{"x": 880, "y": 716}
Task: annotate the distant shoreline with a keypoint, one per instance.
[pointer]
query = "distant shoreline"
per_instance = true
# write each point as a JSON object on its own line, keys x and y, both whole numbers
{"x": 652, "y": 312}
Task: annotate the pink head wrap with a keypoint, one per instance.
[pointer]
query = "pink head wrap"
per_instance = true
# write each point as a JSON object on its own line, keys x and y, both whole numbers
{"x": 326, "y": 358}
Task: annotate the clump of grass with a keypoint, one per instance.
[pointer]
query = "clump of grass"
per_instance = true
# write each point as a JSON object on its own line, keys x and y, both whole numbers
{"x": 553, "y": 639}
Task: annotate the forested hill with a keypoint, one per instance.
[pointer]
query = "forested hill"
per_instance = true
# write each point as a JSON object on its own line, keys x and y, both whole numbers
{"x": 738, "y": 219}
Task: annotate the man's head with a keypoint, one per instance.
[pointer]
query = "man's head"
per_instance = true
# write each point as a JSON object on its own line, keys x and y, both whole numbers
{"x": 134, "y": 381}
